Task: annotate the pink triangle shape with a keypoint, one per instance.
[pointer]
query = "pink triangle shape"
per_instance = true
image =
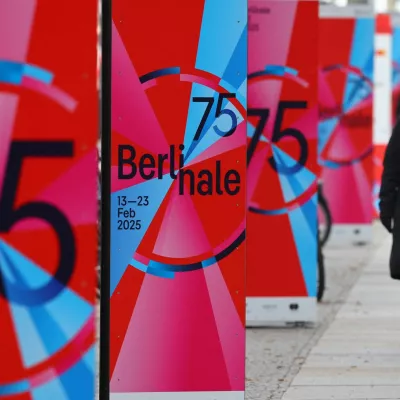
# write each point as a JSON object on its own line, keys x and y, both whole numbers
{"x": 132, "y": 114}
{"x": 172, "y": 343}
{"x": 223, "y": 145}
{"x": 181, "y": 233}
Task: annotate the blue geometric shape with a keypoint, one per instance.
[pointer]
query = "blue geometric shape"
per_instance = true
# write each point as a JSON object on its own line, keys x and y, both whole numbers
{"x": 293, "y": 185}
{"x": 30, "y": 341}
{"x": 90, "y": 359}
{"x": 235, "y": 72}
{"x": 251, "y": 130}
{"x": 50, "y": 390}
{"x": 240, "y": 96}
{"x": 219, "y": 36}
{"x": 195, "y": 114}
{"x": 39, "y": 285}
{"x": 280, "y": 70}
{"x": 19, "y": 264}
{"x": 14, "y": 388}
{"x": 147, "y": 269}
{"x": 325, "y": 131}
{"x": 12, "y": 72}
{"x": 228, "y": 62}
{"x": 303, "y": 221}
{"x": 241, "y": 93}
{"x": 78, "y": 382}
{"x": 45, "y": 329}
{"x": 37, "y": 73}
{"x": 396, "y": 54}
{"x": 361, "y": 57}
{"x": 363, "y": 44}
{"x": 124, "y": 243}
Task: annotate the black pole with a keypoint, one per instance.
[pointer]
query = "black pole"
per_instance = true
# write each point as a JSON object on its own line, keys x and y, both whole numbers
{"x": 104, "y": 384}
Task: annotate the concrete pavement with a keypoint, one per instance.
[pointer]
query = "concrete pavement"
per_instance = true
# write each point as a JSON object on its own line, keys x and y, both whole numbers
{"x": 358, "y": 355}
{"x": 276, "y": 355}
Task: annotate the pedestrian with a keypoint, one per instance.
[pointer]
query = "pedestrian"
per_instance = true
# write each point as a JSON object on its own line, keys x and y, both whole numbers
{"x": 389, "y": 204}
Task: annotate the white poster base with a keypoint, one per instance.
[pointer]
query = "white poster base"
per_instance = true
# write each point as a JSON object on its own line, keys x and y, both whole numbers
{"x": 179, "y": 396}
{"x": 265, "y": 311}
{"x": 348, "y": 234}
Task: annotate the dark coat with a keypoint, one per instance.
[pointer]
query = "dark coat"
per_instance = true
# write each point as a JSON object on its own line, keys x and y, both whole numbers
{"x": 391, "y": 174}
{"x": 389, "y": 204}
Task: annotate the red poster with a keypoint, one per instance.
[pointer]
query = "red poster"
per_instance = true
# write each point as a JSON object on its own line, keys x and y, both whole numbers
{"x": 282, "y": 154}
{"x": 177, "y": 200}
{"x": 48, "y": 199}
{"x": 346, "y": 64}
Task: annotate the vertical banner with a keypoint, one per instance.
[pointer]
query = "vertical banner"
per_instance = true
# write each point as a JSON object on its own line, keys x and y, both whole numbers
{"x": 382, "y": 109}
{"x": 345, "y": 146}
{"x": 282, "y": 162}
{"x": 177, "y": 199}
{"x": 395, "y": 23}
{"x": 48, "y": 211}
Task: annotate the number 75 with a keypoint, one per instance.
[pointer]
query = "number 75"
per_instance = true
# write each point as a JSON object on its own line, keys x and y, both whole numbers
{"x": 278, "y": 134}
{"x": 218, "y": 112}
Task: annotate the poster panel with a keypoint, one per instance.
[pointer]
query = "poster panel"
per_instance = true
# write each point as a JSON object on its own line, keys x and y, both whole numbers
{"x": 177, "y": 200}
{"x": 48, "y": 208}
{"x": 395, "y": 24}
{"x": 345, "y": 146}
{"x": 382, "y": 109}
{"x": 282, "y": 162}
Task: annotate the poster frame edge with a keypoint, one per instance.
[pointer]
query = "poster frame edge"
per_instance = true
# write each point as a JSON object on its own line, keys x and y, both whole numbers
{"x": 263, "y": 311}
{"x": 104, "y": 341}
{"x": 349, "y": 11}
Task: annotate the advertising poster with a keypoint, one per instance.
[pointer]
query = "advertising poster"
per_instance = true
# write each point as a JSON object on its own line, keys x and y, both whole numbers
{"x": 382, "y": 109}
{"x": 281, "y": 271}
{"x": 395, "y": 25}
{"x": 48, "y": 190}
{"x": 177, "y": 200}
{"x": 346, "y": 60}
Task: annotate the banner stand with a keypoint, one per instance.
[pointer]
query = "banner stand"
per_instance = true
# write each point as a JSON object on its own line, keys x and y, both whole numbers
{"x": 271, "y": 311}
{"x": 383, "y": 81}
{"x": 282, "y": 163}
{"x": 355, "y": 234}
{"x": 174, "y": 170}
{"x": 48, "y": 199}
{"x": 345, "y": 124}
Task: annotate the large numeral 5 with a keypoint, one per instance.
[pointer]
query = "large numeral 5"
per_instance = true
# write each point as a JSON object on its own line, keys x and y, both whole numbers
{"x": 20, "y": 293}
{"x": 289, "y": 133}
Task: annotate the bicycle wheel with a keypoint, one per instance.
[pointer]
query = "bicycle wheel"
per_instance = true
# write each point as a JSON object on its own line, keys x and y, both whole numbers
{"x": 321, "y": 274}
{"x": 324, "y": 219}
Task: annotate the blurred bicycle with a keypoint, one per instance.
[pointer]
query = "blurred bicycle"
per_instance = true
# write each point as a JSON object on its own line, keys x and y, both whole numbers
{"x": 320, "y": 273}
{"x": 324, "y": 231}
{"x": 324, "y": 216}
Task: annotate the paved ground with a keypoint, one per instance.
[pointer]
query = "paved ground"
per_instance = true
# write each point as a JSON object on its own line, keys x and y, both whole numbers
{"x": 275, "y": 356}
{"x": 358, "y": 356}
